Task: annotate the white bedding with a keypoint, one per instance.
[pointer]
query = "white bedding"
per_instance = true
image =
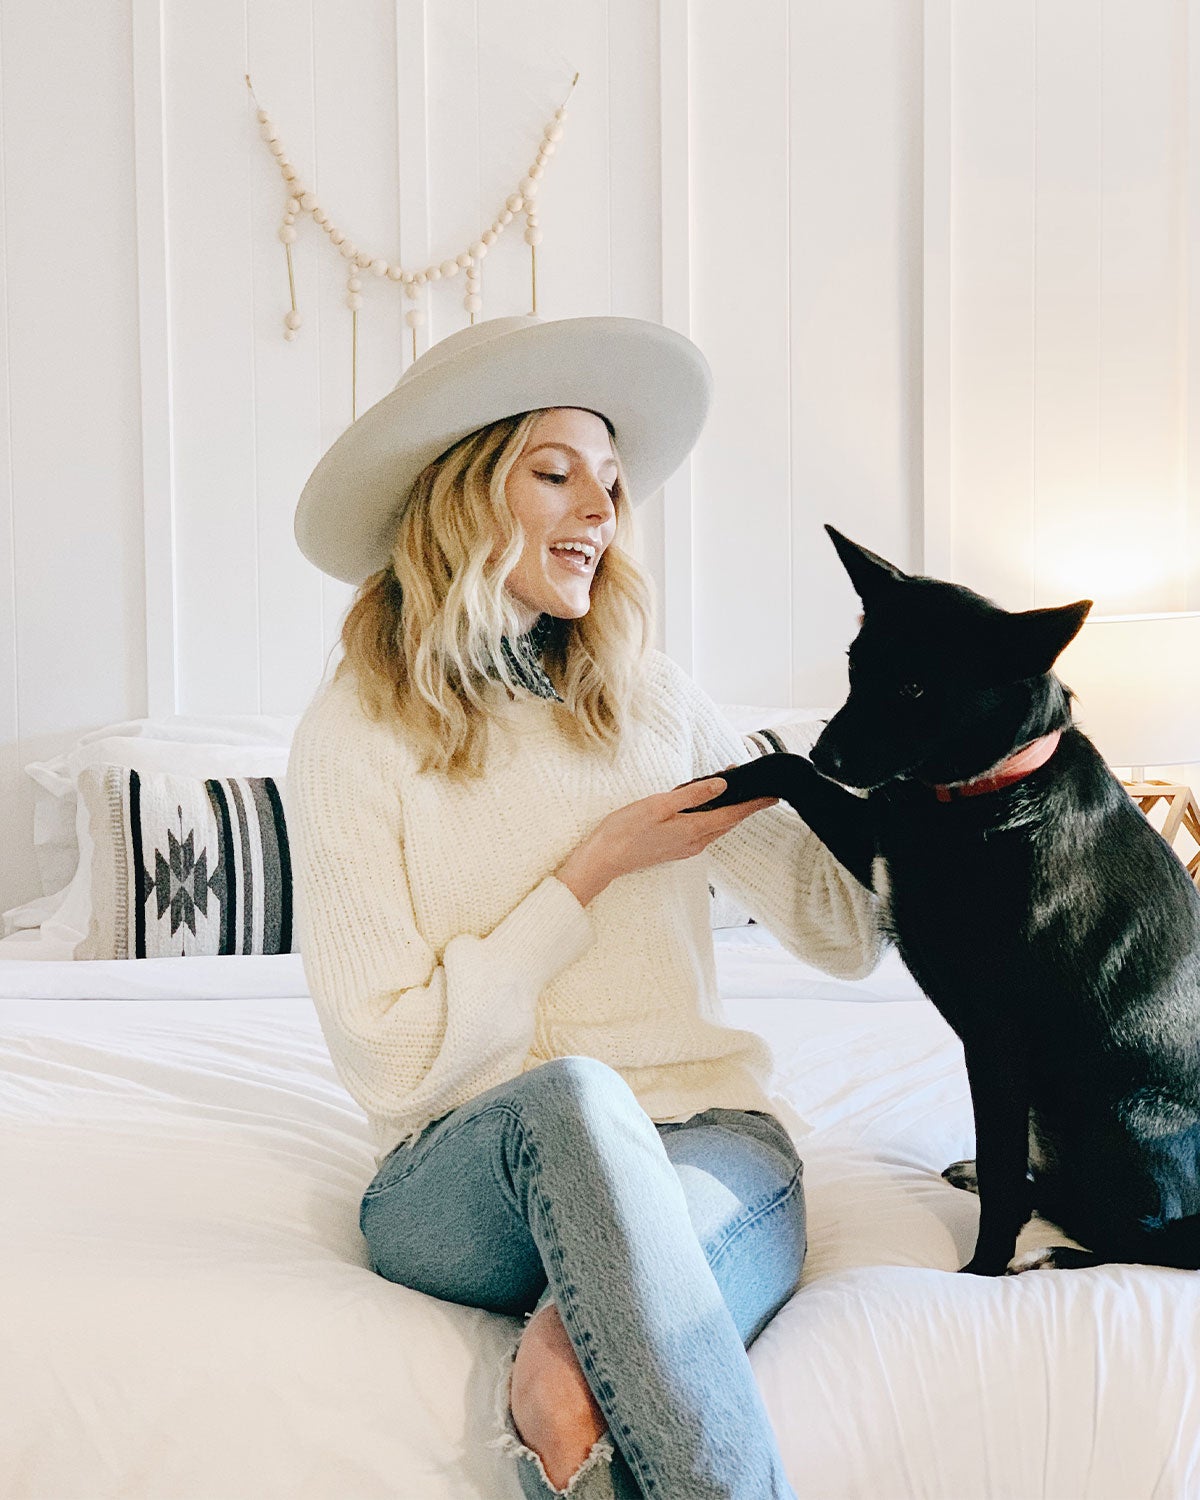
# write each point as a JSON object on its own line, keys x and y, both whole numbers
{"x": 186, "y": 1311}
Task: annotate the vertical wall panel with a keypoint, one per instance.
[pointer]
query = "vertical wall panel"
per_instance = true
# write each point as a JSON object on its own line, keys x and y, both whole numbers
{"x": 1140, "y": 439}
{"x": 854, "y": 293}
{"x": 992, "y": 290}
{"x": 211, "y": 149}
{"x": 1066, "y": 298}
{"x": 17, "y": 874}
{"x": 741, "y": 473}
{"x": 287, "y": 391}
{"x": 73, "y": 592}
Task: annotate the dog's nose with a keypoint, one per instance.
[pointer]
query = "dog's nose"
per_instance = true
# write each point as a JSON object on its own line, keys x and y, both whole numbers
{"x": 825, "y": 757}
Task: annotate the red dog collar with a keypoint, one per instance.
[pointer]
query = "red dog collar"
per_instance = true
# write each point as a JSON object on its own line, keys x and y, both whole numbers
{"x": 1015, "y": 768}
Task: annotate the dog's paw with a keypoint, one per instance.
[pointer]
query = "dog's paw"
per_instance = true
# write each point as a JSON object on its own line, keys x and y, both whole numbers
{"x": 961, "y": 1174}
{"x": 1051, "y": 1258}
{"x": 977, "y": 1267}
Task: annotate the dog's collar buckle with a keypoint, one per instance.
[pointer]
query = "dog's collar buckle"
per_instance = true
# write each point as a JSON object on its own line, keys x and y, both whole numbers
{"x": 1015, "y": 768}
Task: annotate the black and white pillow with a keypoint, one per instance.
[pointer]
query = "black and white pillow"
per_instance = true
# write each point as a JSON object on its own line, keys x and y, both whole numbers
{"x": 183, "y": 866}
{"x": 793, "y": 735}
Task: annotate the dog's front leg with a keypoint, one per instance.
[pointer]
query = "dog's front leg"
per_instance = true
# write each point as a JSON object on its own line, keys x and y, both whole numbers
{"x": 843, "y": 822}
{"x": 1000, "y": 1100}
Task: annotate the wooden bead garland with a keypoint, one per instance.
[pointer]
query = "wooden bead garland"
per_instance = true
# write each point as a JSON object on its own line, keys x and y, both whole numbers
{"x": 300, "y": 199}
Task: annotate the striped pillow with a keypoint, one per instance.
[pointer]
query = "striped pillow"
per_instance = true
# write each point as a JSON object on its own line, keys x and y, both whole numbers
{"x": 183, "y": 866}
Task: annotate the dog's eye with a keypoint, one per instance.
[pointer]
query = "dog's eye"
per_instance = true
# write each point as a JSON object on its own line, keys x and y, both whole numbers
{"x": 911, "y": 690}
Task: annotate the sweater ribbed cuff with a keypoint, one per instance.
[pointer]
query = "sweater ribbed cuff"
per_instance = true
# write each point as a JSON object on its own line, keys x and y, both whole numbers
{"x": 545, "y": 932}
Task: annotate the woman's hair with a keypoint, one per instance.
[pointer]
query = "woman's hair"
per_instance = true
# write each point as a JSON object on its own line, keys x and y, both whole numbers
{"x": 423, "y": 635}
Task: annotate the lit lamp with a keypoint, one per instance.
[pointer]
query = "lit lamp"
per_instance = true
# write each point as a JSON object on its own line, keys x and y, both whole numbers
{"x": 1133, "y": 677}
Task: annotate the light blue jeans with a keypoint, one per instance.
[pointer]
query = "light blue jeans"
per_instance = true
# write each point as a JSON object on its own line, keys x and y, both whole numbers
{"x": 666, "y": 1247}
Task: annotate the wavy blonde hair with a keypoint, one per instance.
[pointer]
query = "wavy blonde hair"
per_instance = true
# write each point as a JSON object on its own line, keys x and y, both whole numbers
{"x": 423, "y": 635}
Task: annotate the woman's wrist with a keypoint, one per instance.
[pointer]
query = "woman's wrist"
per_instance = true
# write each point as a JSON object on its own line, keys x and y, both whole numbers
{"x": 584, "y": 873}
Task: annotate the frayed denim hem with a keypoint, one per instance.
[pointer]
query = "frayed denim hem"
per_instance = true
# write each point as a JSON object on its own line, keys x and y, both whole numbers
{"x": 509, "y": 1441}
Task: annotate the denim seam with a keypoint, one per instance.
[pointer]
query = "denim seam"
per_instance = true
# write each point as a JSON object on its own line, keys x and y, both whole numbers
{"x": 754, "y": 1216}
{"x": 374, "y": 1192}
{"x": 632, "y": 1454}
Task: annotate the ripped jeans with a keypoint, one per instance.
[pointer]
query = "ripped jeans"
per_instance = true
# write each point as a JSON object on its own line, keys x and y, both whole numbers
{"x": 666, "y": 1247}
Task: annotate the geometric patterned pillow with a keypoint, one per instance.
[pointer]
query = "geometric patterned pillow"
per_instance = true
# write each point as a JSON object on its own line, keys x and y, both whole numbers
{"x": 183, "y": 866}
{"x": 796, "y": 735}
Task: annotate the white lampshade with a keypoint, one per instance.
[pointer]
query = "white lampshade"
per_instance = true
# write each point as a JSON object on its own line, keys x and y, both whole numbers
{"x": 1134, "y": 677}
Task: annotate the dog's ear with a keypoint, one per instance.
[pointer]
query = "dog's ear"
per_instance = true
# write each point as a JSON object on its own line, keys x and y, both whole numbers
{"x": 1030, "y": 642}
{"x": 868, "y": 572}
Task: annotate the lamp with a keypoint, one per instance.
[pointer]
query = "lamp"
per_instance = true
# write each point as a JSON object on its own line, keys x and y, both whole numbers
{"x": 1133, "y": 676}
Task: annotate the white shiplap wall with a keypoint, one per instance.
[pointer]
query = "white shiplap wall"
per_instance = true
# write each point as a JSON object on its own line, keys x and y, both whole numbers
{"x": 941, "y": 257}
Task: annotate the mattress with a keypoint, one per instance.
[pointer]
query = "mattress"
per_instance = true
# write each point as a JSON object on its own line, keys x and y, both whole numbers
{"x": 186, "y": 1312}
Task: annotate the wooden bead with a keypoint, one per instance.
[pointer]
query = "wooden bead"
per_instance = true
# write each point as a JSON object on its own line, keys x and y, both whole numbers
{"x": 362, "y": 259}
{"x": 561, "y": 112}
{"x": 528, "y": 188}
{"x": 479, "y": 249}
{"x": 293, "y": 205}
{"x": 507, "y": 216}
{"x": 287, "y": 234}
{"x": 320, "y": 216}
{"x": 264, "y": 117}
{"x": 379, "y": 266}
{"x": 292, "y": 319}
{"x": 411, "y": 289}
{"x": 433, "y": 273}
{"x": 354, "y": 285}
{"x": 414, "y": 317}
{"x": 547, "y": 148}
{"x": 289, "y": 334}
{"x": 289, "y": 218}
{"x": 288, "y": 171}
{"x": 553, "y": 132}
{"x": 276, "y": 148}
{"x": 308, "y": 201}
{"x": 464, "y": 260}
{"x": 336, "y": 235}
{"x": 348, "y": 248}
{"x": 393, "y": 273}
{"x": 472, "y": 302}
{"x": 406, "y": 277}
{"x": 537, "y": 171}
{"x": 449, "y": 268}
{"x": 490, "y": 236}
{"x": 267, "y": 131}
{"x": 514, "y": 203}
{"x": 533, "y": 236}
{"x": 354, "y": 301}
{"x": 421, "y": 278}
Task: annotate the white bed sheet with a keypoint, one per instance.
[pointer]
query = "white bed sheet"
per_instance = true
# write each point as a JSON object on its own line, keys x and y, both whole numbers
{"x": 186, "y": 1312}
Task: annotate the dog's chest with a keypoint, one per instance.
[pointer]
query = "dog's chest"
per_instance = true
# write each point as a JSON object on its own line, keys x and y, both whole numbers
{"x": 955, "y": 913}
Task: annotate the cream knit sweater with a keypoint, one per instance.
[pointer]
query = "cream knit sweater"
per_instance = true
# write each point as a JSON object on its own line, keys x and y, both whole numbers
{"x": 445, "y": 958}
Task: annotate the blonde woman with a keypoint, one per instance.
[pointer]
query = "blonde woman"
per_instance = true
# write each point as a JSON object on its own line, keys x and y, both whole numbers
{"x": 504, "y": 909}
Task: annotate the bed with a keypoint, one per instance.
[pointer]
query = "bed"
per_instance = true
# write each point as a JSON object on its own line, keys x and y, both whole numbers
{"x": 186, "y": 1312}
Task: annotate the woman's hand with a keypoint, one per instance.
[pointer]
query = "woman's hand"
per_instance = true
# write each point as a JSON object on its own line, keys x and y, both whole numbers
{"x": 652, "y": 831}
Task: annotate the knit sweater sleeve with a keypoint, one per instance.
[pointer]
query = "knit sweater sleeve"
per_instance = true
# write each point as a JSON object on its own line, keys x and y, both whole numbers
{"x": 412, "y": 1033}
{"x": 772, "y": 863}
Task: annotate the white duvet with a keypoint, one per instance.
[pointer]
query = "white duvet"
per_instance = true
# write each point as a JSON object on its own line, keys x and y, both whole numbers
{"x": 186, "y": 1311}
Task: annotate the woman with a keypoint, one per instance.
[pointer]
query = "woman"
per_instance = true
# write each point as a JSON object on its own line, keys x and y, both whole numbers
{"x": 503, "y": 908}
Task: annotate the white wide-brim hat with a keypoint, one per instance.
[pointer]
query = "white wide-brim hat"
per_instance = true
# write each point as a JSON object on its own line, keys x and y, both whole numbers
{"x": 652, "y": 384}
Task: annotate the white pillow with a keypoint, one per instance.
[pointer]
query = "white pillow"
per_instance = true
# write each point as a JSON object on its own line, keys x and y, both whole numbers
{"x": 181, "y": 745}
{"x": 143, "y": 744}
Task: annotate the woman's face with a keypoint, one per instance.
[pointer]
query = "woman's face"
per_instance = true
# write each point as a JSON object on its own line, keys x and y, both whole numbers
{"x": 560, "y": 491}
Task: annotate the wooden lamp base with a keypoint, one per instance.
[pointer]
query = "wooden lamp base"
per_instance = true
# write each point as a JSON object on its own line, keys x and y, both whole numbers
{"x": 1183, "y": 811}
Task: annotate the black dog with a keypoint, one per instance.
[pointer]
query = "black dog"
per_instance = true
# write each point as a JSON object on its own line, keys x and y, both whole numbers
{"x": 1035, "y": 905}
